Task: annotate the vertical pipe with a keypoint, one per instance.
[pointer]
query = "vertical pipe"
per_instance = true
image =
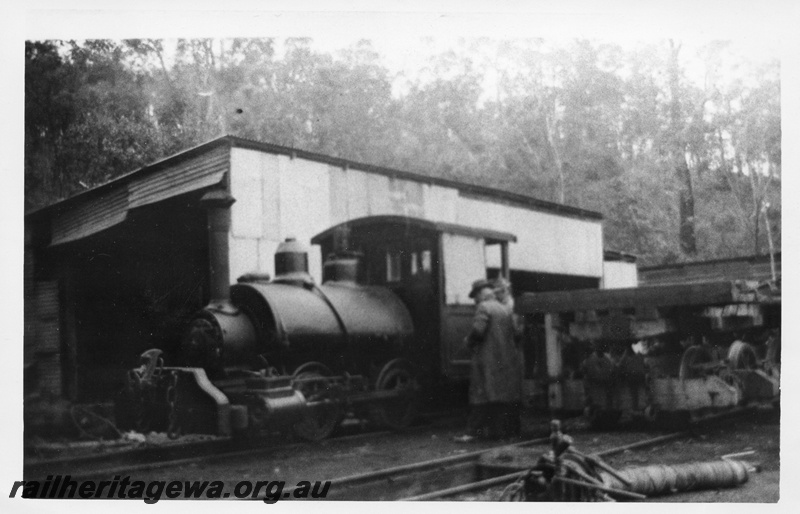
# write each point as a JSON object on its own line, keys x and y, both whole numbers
{"x": 505, "y": 270}
{"x": 218, "y": 208}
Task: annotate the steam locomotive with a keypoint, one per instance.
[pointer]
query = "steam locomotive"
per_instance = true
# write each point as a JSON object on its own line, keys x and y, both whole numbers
{"x": 284, "y": 353}
{"x": 299, "y": 331}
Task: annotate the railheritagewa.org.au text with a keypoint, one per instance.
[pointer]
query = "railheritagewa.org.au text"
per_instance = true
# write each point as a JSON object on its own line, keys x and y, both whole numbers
{"x": 270, "y": 491}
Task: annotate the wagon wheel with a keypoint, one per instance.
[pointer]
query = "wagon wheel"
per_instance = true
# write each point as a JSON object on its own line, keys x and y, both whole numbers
{"x": 320, "y": 420}
{"x": 399, "y": 412}
{"x": 695, "y": 362}
{"x": 742, "y": 356}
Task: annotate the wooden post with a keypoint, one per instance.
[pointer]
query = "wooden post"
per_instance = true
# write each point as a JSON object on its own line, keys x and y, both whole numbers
{"x": 554, "y": 363}
{"x": 505, "y": 270}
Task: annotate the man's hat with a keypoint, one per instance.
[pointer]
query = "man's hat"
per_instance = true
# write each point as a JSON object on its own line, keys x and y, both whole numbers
{"x": 478, "y": 285}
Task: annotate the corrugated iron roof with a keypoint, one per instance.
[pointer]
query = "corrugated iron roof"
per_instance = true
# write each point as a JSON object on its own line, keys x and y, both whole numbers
{"x": 90, "y": 216}
{"x": 190, "y": 175}
{"x": 126, "y": 178}
{"x": 109, "y": 205}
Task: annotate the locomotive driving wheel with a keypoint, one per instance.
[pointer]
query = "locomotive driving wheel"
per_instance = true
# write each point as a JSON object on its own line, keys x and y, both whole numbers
{"x": 398, "y": 377}
{"x": 312, "y": 380}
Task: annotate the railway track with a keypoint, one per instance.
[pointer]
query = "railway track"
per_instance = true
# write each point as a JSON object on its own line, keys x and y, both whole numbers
{"x": 384, "y": 484}
{"x": 84, "y": 467}
{"x": 454, "y": 476}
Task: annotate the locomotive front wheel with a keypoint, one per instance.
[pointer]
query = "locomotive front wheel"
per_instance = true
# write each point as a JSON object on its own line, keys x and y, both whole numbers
{"x": 399, "y": 412}
{"x": 320, "y": 420}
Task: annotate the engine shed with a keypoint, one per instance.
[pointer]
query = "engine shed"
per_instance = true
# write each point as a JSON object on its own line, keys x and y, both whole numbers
{"x": 120, "y": 268}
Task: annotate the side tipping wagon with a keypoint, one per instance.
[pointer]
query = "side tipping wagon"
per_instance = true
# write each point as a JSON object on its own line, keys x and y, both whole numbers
{"x": 665, "y": 352}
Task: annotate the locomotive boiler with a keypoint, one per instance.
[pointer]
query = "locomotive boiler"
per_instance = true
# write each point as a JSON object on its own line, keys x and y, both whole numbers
{"x": 283, "y": 353}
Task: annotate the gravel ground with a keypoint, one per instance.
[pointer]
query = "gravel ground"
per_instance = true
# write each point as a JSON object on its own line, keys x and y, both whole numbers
{"x": 758, "y": 432}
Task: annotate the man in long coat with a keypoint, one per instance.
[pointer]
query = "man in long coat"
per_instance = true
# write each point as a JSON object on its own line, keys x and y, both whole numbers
{"x": 512, "y": 424}
{"x": 494, "y": 381}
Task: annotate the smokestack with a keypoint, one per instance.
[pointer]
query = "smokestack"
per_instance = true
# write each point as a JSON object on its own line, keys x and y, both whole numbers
{"x": 218, "y": 203}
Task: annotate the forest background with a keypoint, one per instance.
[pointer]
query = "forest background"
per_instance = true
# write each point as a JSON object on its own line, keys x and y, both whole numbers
{"x": 678, "y": 147}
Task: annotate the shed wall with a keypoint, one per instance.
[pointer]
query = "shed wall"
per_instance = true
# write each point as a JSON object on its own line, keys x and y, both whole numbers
{"x": 619, "y": 274}
{"x": 545, "y": 242}
{"x": 278, "y": 196}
